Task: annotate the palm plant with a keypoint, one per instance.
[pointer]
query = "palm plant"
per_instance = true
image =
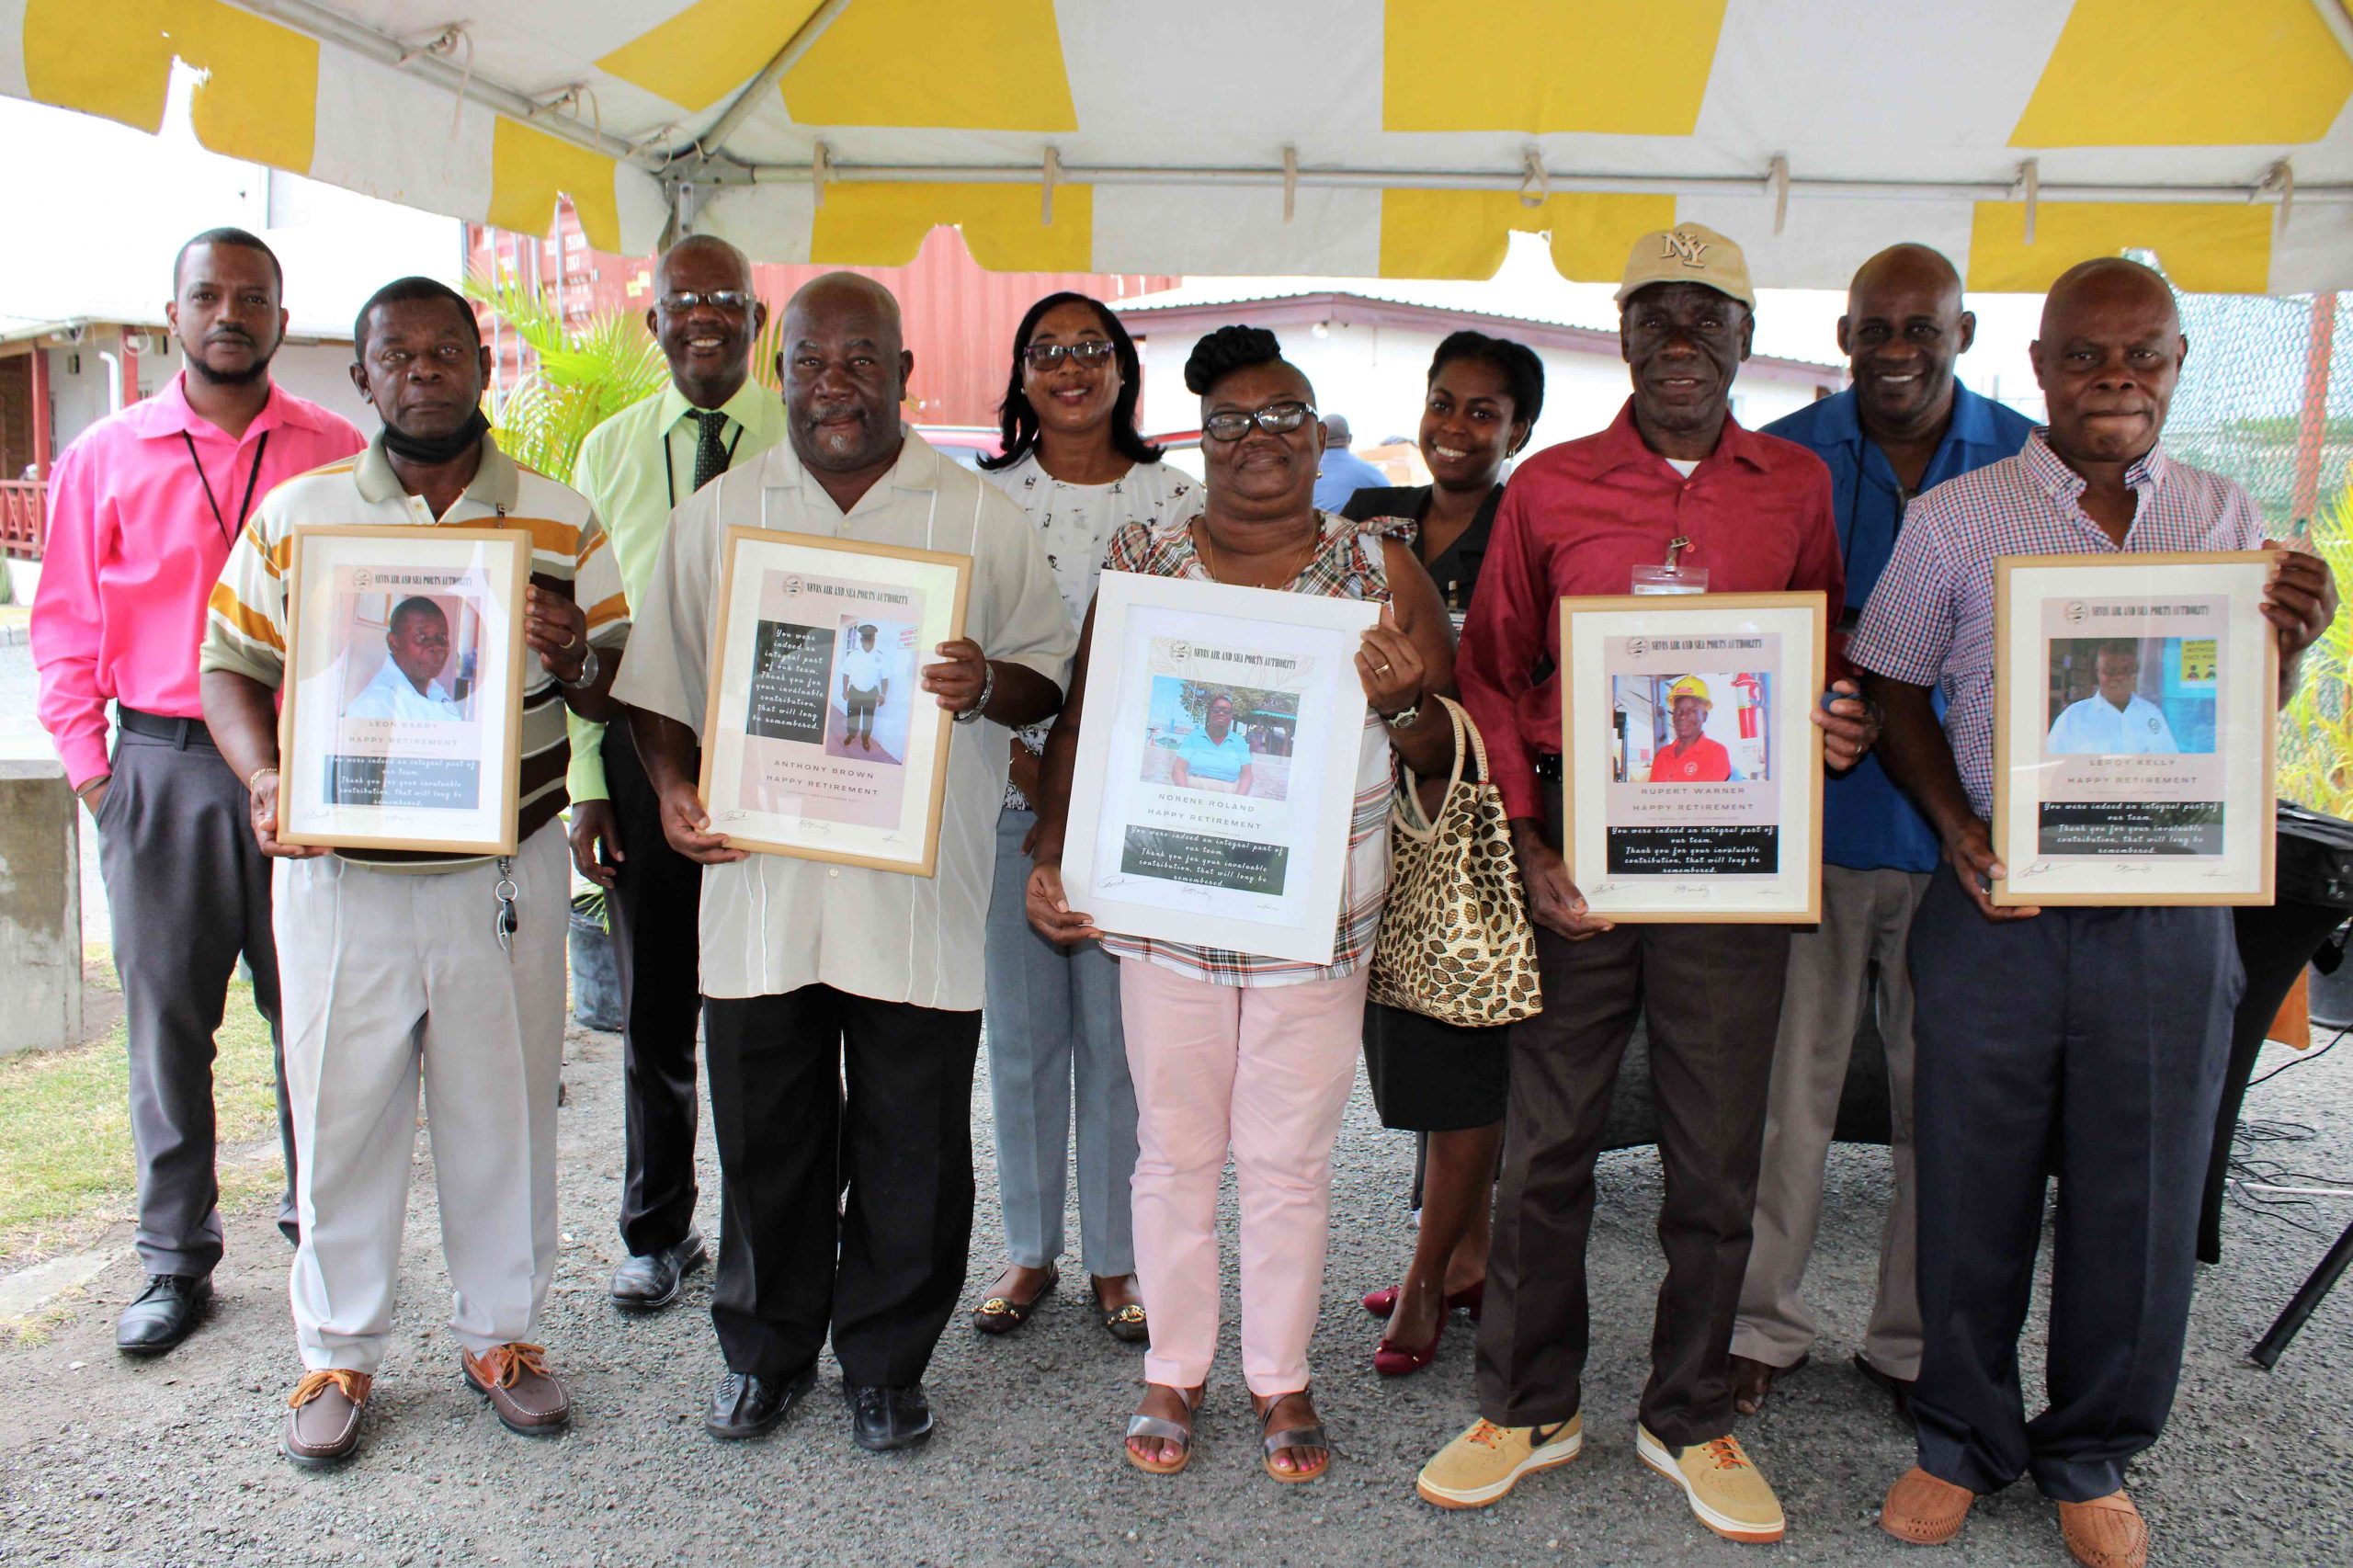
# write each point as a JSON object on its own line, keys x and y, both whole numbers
{"x": 2315, "y": 749}
{"x": 584, "y": 376}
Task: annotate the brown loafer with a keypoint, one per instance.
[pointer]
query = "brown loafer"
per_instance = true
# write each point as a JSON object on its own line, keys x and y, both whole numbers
{"x": 323, "y": 1416}
{"x": 516, "y": 1379}
{"x": 1924, "y": 1510}
{"x": 1752, "y": 1381}
{"x": 2107, "y": 1532}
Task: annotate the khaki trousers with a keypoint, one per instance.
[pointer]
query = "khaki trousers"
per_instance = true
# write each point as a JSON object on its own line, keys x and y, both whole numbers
{"x": 388, "y": 977}
{"x": 1865, "y": 922}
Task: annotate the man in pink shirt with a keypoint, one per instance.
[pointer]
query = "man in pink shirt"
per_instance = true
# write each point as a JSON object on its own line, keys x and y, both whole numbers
{"x": 143, "y": 508}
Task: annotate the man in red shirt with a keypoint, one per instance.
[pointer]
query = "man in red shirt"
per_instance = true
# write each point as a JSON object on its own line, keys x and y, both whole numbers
{"x": 142, "y": 509}
{"x": 1692, "y": 757}
{"x": 1674, "y": 473}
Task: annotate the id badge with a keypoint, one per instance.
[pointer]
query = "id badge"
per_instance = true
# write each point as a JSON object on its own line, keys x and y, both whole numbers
{"x": 1674, "y": 578}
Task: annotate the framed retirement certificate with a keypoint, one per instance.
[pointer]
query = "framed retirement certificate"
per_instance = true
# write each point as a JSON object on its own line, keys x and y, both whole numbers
{"x": 1691, "y": 781}
{"x": 1217, "y": 764}
{"x": 817, "y": 741}
{"x": 2135, "y": 704}
{"x": 400, "y": 727}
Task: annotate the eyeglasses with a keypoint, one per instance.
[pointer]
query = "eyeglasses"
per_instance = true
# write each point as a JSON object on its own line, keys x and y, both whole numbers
{"x": 1275, "y": 419}
{"x": 1088, "y": 351}
{"x": 735, "y": 302}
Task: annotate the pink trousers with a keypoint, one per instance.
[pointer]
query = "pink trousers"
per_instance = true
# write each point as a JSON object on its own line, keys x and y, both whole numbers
{"x": 1265, "y": 1071}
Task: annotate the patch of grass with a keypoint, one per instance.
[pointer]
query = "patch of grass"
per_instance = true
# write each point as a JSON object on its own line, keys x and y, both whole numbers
{"x": 65, "y": 1155}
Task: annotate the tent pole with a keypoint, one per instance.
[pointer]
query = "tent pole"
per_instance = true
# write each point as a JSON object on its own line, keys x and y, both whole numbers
{"x": 739, "y": 108}
{"x": 2333, "y": 16}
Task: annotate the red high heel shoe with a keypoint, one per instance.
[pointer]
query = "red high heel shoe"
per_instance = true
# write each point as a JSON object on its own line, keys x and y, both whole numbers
{"x": 1397, "y": 1361}
{"x": 1383, "y": 1302}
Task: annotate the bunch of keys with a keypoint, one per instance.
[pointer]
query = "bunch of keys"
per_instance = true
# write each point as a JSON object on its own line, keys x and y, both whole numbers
{"x": 504, "y": 921}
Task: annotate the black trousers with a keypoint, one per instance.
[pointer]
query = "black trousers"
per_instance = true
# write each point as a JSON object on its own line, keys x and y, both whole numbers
{"x": 885, "y": 1271}
{"x": 1712, "y": 998}
{"x": 2275, "y": 943}
{"x": 189, "y": 891}
{"x": 657, "y": 894}
{"x": 2092, "y": 1038}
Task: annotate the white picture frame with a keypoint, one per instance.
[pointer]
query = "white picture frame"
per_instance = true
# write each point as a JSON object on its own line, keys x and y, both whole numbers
{"x": 2167, "y": 797}
{"x": 1160, "y": 845}
{"x": 379, "y": 750}
{"x": 1736, "y": 835}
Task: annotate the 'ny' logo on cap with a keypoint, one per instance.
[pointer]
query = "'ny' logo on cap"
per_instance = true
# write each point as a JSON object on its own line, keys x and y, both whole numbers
{"x": 1685, "y": 247}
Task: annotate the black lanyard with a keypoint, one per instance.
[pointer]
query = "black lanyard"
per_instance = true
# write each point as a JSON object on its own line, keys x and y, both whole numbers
{"x": 669, "y": 471}
{"x": 1903, "y": 499}
{"x": 253, "y": 483}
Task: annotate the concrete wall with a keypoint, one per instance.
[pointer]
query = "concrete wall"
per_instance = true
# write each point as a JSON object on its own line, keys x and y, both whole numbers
{"x": 41, "y": 907}
{"x": 1376, "y": 375}
{"x": 81, "y": 382}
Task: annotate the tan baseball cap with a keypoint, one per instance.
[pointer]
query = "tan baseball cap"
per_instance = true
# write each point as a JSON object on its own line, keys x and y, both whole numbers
{"x": 1689, "y": 253}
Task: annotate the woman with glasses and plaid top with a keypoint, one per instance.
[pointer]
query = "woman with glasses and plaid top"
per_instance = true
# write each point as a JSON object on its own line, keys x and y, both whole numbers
{"x": 1073, "y": 461}
{"x": 1238, "y": 1051}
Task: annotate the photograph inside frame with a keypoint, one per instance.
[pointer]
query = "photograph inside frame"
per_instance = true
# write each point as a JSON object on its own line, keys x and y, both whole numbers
{"x": 2136, "y": 724}
{"x": 400, "y": 722}
{"x": 820, "y": 741}
{"x": 1693, "y": 793}
{"x": 1227, "y": 764}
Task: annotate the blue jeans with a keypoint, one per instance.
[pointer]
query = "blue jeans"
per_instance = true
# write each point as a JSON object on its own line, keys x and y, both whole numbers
{"x": 1053, "y": 1017}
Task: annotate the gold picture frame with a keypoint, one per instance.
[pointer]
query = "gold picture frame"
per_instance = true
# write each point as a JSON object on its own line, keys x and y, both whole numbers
{"x": 363, "y": 766}
{"x": 2202, "y": 611}
{"x": 1692, "y": 863}
{"x": 771, "y": 782}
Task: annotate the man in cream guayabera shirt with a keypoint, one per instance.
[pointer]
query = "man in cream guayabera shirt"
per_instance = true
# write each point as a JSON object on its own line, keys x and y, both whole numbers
{"x": 635, "y": 468}
{"x": 391, "y": 967}
{"x": 814, "y": 972}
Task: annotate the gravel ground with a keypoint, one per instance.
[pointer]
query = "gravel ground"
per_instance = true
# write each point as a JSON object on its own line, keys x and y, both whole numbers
{"x": 173, "y": 1462}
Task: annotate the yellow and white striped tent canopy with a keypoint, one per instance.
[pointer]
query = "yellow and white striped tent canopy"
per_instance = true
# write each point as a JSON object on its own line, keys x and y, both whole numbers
{"x": 1397, "y": 138}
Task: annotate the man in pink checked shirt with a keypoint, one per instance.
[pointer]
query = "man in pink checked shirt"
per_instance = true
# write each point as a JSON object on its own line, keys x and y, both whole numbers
{"x": 143, "y": 508}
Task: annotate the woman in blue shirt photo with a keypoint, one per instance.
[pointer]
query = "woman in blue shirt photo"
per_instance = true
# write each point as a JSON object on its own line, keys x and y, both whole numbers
{"x": 1215, "y": 756}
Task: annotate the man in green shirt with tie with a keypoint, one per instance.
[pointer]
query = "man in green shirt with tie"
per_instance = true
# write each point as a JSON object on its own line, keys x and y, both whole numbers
{"x": 635, "y": 467}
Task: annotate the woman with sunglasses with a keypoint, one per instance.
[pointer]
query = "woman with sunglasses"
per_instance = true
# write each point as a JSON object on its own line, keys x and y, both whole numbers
{"x": 1073, "y": 461}
{"x": 1447, "y": 1083}
{"x": 1238, "y": 1051}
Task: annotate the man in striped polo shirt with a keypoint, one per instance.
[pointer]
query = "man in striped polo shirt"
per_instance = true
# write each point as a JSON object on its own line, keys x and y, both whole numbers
{"x": 392, "y": 968}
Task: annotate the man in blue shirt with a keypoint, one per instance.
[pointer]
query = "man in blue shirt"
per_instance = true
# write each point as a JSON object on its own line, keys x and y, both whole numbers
{"x": 1342, "y": 473}
{"x": 1905, "y": 426}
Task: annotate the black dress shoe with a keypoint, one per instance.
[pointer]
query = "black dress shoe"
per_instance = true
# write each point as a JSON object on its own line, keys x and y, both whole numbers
{"x": 1899, "y": 1390}
{"x": 882, "y": 1418}
{"x": 649, "y": 1282}
{"x": 746, "y": 1405}
{"x": 165, "y": 1312}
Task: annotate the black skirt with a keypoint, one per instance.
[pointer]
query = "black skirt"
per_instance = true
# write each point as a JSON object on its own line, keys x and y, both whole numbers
{"x": 1429, "y": 1076}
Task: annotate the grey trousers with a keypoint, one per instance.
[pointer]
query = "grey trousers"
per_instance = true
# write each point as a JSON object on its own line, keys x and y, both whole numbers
{"x": 2092, "y": 1042}
{"x": 188, "y": 890}
{"x": 1866, "y": 918}
{"x": 1053, "y": 1015}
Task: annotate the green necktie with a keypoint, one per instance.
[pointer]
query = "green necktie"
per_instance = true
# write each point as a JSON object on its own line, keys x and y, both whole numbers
{"x": 711, "y": 457}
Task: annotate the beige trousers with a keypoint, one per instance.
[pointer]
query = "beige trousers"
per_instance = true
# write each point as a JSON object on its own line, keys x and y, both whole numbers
{"x": 389, "y": 977}
{"x": 1866, "y": 920}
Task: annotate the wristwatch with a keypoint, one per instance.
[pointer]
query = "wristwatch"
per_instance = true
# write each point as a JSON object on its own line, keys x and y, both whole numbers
{"x": 588, "y": 671}
{"x": 988, "y": 685}
{"x": 1403, "y": 717}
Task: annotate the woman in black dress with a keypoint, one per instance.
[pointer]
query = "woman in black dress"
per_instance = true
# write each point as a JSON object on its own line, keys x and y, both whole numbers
{"x": 1429, "y": 1077}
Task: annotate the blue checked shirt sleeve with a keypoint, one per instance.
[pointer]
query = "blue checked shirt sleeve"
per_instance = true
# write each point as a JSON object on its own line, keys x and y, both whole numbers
{"x": 1907, "y": 626}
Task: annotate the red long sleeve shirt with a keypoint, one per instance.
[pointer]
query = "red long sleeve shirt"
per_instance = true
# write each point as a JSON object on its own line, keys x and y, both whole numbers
{"x": 1576, "y": 521}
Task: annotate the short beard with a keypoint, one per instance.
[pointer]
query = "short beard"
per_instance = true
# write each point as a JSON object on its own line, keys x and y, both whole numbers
{"x": 253, "y": 372}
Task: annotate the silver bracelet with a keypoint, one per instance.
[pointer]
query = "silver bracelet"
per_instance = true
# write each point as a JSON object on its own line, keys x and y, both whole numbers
{"x": 988, "y": 686}
{"x": 589, "y": 667}
{"x": 1403, "y": 717}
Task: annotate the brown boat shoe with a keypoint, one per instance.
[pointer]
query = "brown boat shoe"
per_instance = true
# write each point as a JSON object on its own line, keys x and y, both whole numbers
{"x": 323, "y": 1416}
{"x": 515, "y": 1378}
{"x": 2107, "y": 1532}
{"x": 1924, "y": 1509}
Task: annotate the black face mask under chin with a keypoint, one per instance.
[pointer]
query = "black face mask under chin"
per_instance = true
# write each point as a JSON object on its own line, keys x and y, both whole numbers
{"x": 434, "y": 450}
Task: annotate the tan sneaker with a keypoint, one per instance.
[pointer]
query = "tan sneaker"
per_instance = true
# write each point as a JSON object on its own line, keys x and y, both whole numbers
{"x": 1487, "y": 1461}
{"x": 1727, "y": 1493}
{"x": 2107, "y": 1532}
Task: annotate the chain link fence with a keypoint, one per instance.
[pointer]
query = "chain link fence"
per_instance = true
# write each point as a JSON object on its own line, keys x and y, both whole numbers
{"x": 2268, "y": 398}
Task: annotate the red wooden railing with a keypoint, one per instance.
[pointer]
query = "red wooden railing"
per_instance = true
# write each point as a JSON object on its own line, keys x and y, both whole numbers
{"x": 24, "y": 518}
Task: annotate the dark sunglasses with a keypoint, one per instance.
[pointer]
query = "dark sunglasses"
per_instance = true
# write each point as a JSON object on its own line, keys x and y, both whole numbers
{"x": 1089, "y": 352}
{"x": 1275, "y": 419}
{"x": 735, "y": 302}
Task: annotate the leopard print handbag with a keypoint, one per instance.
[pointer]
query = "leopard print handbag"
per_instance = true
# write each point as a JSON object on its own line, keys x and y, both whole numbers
{"x": 1455, "y": 943}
